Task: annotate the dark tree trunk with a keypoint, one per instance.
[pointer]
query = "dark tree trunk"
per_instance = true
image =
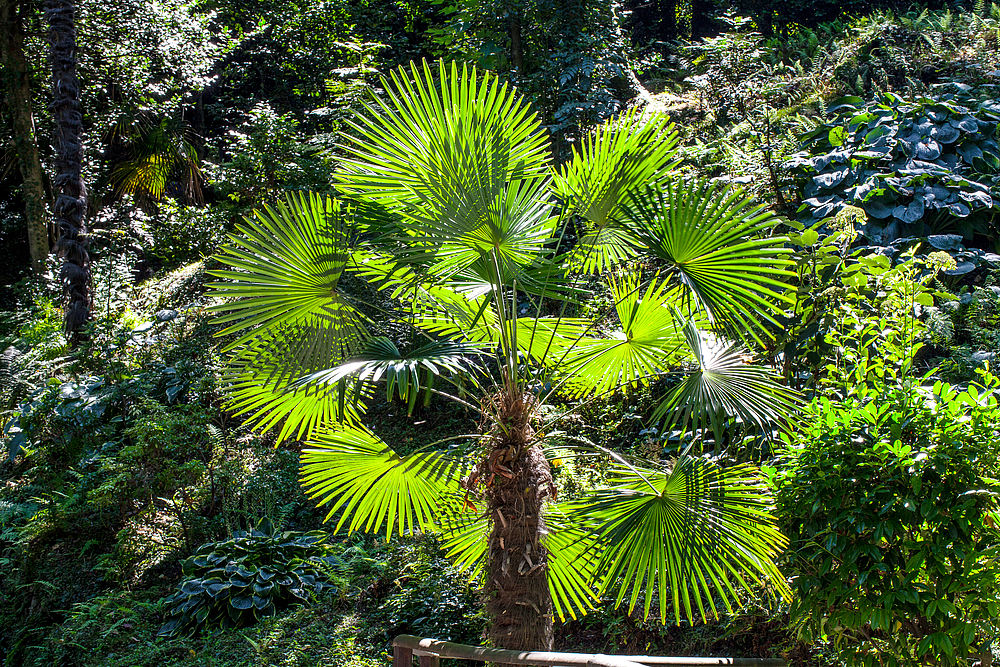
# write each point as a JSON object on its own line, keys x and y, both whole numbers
{"x": 701, "y": 19}
{"x": 667, "y": 25}
{"x": 70, "y": 193}
{"x": 519, "y": 484}
{"x": 17, "y": 90}
{"x": 518, "y": 601}
{"x": 516, "y": 42}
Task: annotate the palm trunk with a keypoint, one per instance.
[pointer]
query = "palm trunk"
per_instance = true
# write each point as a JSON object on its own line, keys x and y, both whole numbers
{"x": 70, "y": 193}
{"x": 17, "y": 89}
{"x": 517, "y": 593}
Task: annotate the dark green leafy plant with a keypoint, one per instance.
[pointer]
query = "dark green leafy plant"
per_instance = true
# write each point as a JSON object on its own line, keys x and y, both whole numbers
{"x": 252, "y": 574}
{"x": 917, "y": 167}
{"x": 888, "y": 500}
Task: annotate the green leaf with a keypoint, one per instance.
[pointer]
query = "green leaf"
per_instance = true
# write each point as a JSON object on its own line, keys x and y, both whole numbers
{"x": 622, "y": 156}
{"x": 650, "y": 341}
{"x": 723, "y": 386}
{"x": 692, "y": 535}
{"x": 381, "y": 361}
{"x": 462, "y": 161}
{"x": 281, "y": 295}
{"x": 837, "y": 135}
{"x": 720, "y": 246}
{"x": 355, "y": 471}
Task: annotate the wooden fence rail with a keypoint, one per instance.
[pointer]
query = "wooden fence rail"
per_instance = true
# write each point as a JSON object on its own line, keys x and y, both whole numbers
{"x": 430, "y": 651}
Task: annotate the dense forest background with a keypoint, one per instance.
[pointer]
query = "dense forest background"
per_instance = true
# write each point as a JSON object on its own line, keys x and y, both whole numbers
{"x": 869, "y": 127}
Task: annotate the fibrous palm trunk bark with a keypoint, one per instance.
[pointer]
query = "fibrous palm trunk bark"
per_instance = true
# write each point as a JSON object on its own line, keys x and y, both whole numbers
{"x": 518, "y": 484}
{"x": 70, "y": 194}
{"x": 17, "y": 89}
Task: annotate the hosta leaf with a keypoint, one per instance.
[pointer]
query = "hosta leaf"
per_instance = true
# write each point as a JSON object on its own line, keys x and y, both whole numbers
{"x": 242, "y": 602}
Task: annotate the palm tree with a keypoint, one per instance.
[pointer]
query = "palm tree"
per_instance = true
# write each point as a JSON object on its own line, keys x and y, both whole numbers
{"x": 71, "y": 195}
{"x": 483, "y": 253}
{"x": 152, "y": 156}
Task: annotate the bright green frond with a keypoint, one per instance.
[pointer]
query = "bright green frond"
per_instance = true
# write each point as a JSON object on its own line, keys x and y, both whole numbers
{"x": 720, "y": 244}
{"x": 463, "y": 539}
{"x": 461, "y": 158}
{"x": 284, "y": 270}
{"x": 649, "y": 343}
{"x": 603, "y": 247}
{"x": 621, "y": 157}
{"x": 723, "y": 385}
{"x": 280, "y": 295}
{"x": 357, "y": 474}
{"x": 510, "y": 230}
{"x": 548, "y": 338}
{"x": 574, "y": 556}
{"x": 445, "y": 312}
{"x": 686, "y": 537}
{"x": 259, "y": 383}
{"x": 403, "y": 375}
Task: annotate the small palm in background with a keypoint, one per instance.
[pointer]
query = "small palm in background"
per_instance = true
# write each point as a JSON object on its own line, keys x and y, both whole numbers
{"x": 452, "y": 208}
{"x": 153, "y": 156}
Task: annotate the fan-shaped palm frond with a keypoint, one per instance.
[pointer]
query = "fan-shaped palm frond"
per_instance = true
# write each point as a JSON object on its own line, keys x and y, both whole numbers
{"x": 152, "y": 154}
{"x": 573, "y": 566}
{"x": 298, "y": 411}
{"x": 357, "y": 473}
{"x": 621, "y": 157}
{"x": 404, "y": 375}
{"x": 286, "y": 266}
{"x": 690, "y": 535}
{"x": 281, "y": 300}
{"x": 507, "y": 230}
{"x": 719, "y": 243}
{"x": 462, "y": 160}
{"x": 649, "y": 343}
{"x": 724, "y": 385}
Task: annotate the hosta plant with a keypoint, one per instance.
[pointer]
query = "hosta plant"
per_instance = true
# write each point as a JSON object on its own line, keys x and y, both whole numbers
{"x": 252, "y": 574}
{"x": 916, "y": 166}
{"x": 481, "y": 251}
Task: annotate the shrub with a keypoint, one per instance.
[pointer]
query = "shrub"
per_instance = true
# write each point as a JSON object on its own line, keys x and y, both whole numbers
{"x": 186, "y": 233}
{"x": 268, "y": 154}
{"x": 427, "y": 596}
{"x": 889, "y": 504}
{"x": 252, "y": 574}
{"x": 917, "y": 167}
{"x": 854, "y": 317}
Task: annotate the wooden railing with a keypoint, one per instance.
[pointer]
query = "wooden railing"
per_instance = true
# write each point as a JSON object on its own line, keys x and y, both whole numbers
{"x": 430, "y": 652}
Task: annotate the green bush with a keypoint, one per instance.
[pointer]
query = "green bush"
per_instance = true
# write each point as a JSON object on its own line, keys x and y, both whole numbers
{"x": 186, "y": 233}
{"x": 926, "y": 166}
{"x": 250, "y": 575}
{"x": 424, "y": 594}
{"x": 888, "y": 500}
{"x": 268, "y": 154}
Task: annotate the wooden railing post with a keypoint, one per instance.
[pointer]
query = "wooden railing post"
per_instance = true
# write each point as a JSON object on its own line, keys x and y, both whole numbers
{"x": 427, "y": 660}
{"x": 402, "y": 656}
